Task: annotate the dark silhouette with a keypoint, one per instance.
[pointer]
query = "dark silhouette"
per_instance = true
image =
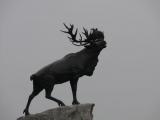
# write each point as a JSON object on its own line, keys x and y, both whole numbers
{"x": 71, "y": 67}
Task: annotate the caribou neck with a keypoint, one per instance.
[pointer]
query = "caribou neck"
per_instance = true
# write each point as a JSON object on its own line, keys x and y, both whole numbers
{"x": 90, "y": 52}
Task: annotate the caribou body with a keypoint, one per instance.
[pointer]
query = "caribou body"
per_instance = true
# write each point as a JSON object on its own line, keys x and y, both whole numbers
{"x": 69, "y": 68}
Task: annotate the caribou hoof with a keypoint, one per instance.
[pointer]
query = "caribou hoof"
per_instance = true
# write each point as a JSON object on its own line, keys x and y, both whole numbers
{"x": 75, "y": 103}
{"x": 61, "y": 104}
{"x": 26, "y": 112}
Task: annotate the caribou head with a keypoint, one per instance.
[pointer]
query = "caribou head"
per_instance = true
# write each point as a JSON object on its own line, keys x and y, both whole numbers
{"x": 93, "y": 39}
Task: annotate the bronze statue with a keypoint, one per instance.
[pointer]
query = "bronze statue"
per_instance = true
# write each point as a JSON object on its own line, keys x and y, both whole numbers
{"x": 71, "y": 67}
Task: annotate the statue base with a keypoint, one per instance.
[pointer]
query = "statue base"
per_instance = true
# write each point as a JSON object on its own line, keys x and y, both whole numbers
{"x": 73, "y": 112}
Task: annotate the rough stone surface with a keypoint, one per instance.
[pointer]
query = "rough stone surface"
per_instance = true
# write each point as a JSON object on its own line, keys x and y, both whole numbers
{"x": 74, "y": 112}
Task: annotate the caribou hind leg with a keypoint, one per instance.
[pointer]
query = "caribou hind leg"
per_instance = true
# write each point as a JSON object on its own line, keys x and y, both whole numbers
{"x": 48, "y": 96}
{"x": 48, "y": 86}
{"x": 36, "y": 91}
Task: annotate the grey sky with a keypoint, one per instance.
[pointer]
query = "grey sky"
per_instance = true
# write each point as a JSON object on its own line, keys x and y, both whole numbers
{"x": 125, "y": 85}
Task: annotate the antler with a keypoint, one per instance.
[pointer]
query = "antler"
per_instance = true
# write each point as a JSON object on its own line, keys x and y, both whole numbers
{"x": 73, "y": 35}
{"x": 85, "y": 33}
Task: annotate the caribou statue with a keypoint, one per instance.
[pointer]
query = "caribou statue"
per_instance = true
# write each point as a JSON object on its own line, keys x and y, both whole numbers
{"x": 71, "y": 67}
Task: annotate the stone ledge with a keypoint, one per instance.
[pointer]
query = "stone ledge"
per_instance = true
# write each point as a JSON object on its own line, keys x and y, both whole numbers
{"x": 73, "y": 112}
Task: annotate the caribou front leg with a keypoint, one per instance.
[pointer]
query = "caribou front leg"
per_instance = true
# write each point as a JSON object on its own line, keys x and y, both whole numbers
{"x": 73, "y": 84}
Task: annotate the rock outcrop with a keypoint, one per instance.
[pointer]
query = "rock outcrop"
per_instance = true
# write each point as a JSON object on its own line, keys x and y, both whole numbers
{"x": 74, "y": 112}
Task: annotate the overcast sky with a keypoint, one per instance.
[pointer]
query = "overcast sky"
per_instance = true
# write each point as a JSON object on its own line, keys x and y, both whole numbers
{"x": 125, "y": 84}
